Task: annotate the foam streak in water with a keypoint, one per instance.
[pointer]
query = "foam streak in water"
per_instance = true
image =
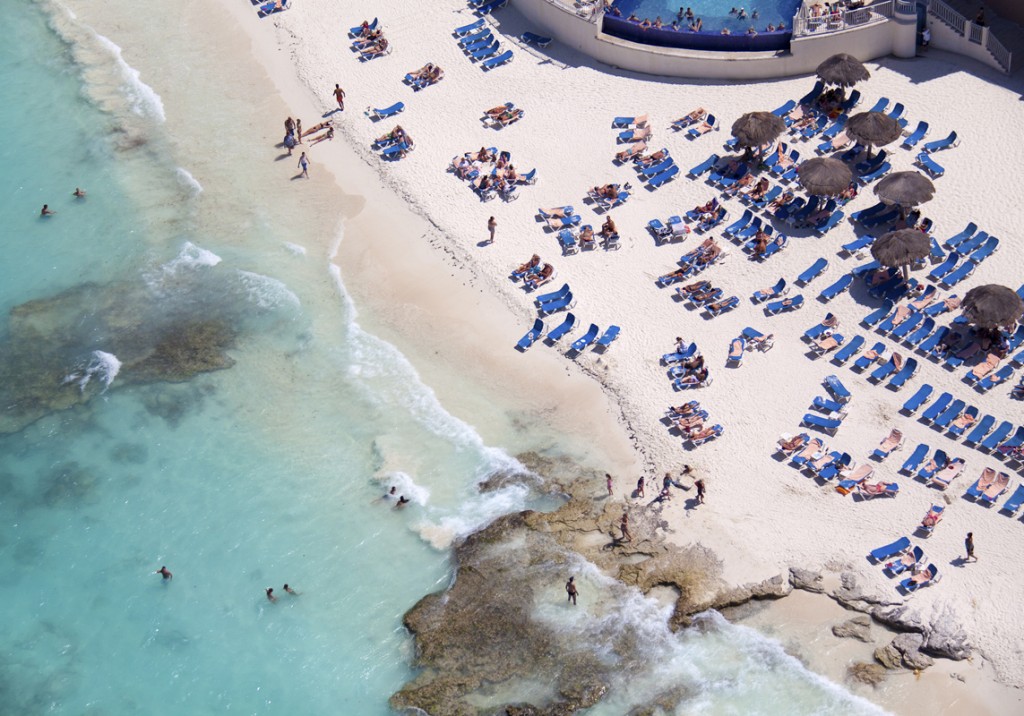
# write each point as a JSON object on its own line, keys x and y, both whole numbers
{"x": 144, "y": 100}
{"x": 189, "y": 181}
{"x": 267, "y": 292}
{"x": 102, "y": 366}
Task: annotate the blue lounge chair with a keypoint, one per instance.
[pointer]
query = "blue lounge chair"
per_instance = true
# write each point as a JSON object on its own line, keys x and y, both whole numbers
{"x": 812, "y": 271}
{"x": 822, "y": 463}
{"x": 918, "y": 134}
{"x": 949, "y": 414}
{"x": 391, "y": 111}
{"x": 951, "y": 141}
{"x": 1016, "y": 500}
{"x": 849, "y": 350}
{"x": 686, "y": 355}
{"x": 996, "y": 436}
{"x": 922, "y": 332}
{"x": 954, "y": 241}
{"x": 907, "y": 372}
{"x": 936, "y": 253}
{"x": 838, "y": 390}
{"x": 553, "y": 296}
{"x": 878, "y": 314}
{"x": 937, "y": 407}
{"x": 829, "y": 406}
{"x": 736, "y": 349}
{"x": 930, "y": 165}
{"x": 990, "y": 381}
{"x": 879, "y": 171}
{"x": 869, "y": 213}
{"x": 1013, "y": 443}
{"x": 910, "y": 323}
{"x": 396, "y": 151}
{"x": 963, "y": 271}
{"x": 772, "y": 194}
{"x": 864, "y": 362}
{"x": 696, "y": 132}
{"x": 355, "y": 31}
{"x": 475, "y": 42}
{"x": 890, "y": 550}
{"x": 739, "y": 224}
{"x": 956, "y": 429}
{"x": 826, "y": 225}
{"x": 785, "y": 109}
{"x": 828, "y": 425}
{"x": 933, "y": 340}
{"x": 834, "y": 468}
{"x": 819, "y": 87}
{"x": 970, "y": 244}
{"x": 984, "y": 251}
{"x": 491, "y": 7}
{"x": 535, "y": 39}
{"x": 898, "y": 566}
{"x": 913, "y": 462}
{"x": 857, "y": 246}
{"x": 586, "y": 339}
{"x": 912, "y": 584}
{"x": 489, "y": 49}
{"x": 885, "y": 370}
{"x": 980, "y": 430}
{"x": 704, "y": 166}
{"x": 531, "y": 336}
{"x": 788, "y": 304}
{"x": 654, "y": 169}
{"x": 918, "y": 399}
{"x": 761, "y": 295}
{"x": 945, "y": 267}
{"x": 667, "y": 175}
{"x": 608, "y": 337}
{"x": 719, "y": 307}
{"x": 828, "y": 322}
{"x": 556, "y": 334}
{"x": 467, "y": 29}
{"x": 501, "y": 59}
{"x": 938, "y": 461}
{"x": 841, "y": 284}
{"x": 550, "y": 307}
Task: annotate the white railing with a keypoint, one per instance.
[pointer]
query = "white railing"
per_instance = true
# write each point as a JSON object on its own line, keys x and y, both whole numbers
{"x": 907, "y": 7}
{"x": 585, "y": 9}
{"x": 948, "y": 15}
{"x": 806, "y": 24}
{"x": 976, "y": 33}
{"x": 1003, "y": 56}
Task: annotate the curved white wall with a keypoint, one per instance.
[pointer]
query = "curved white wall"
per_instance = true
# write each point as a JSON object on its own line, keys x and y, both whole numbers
{"x": 866, "y": 43}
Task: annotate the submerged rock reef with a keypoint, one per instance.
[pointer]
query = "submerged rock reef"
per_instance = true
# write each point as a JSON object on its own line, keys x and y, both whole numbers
{"x": 61, "y": 351}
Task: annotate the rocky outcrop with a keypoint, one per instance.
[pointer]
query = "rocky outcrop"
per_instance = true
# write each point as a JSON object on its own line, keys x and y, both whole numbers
{"x": 857, "y": 628}
{"x": 945, "y": 637}
{"x": 889, "y": 656}
{"x": 852, "y": 596}
{"x": 909, "y": 645}
{"x": 871, "y": 674}
{"x": 899, "y": 617}
{"x": 806, "y": 579}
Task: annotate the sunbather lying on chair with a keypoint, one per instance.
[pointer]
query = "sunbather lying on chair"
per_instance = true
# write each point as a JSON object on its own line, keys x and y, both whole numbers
{"x": 369, "y": 38}
{"x": 689, "y": 423}
{"x": 793, "y": 444}
{"x": 378, "y": 49}
{"x": 742, "y": 183}
{"x": 694, "y": 116}
{"x": 683, "y": 411}
{"x": 632, "y": 152}
{"x": 395, "y": 135}
{"x": 677, "y": 275}
{"x": 653, "y": 158}
{"x": 608, "y": 191}
{"x": 695, "y": 378}
{"x": 533, "y": 263}
{"x": 695, "y": 288}
{"x": 508, "y": 117}
{"x": 757, "y": 192}
{"x": 781, "y": 201}
{"x": 537, "y": 279}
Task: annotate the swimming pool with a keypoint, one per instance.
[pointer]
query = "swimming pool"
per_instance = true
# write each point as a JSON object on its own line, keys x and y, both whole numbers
{"x": 714, "y": 14}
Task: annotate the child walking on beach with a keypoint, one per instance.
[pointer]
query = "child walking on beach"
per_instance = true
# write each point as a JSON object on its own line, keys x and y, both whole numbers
{"x": 304, "y": 165}
{"x": 339, "y": 95}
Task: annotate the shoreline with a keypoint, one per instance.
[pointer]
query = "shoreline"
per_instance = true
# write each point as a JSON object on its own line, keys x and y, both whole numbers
{"x": 367, "y": 260}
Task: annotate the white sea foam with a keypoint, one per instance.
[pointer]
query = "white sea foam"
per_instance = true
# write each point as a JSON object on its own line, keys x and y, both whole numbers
{"x": 404, "y": 484}
{"x": 267, "y": 292}
{"x": 102, "y": 366}
{"x": 295, "y": 249}
{"x": 189, "y": 181}
{"x": 472, "y": 514}
{"x": 144, "y": 100}
{"x": 191, "y": 256}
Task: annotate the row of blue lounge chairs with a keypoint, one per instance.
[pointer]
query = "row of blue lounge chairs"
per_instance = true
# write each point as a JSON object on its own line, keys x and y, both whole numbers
{"x": 900, "y": 557}
{"x": 689, "y": 419}
{"x": 593, "y": 335}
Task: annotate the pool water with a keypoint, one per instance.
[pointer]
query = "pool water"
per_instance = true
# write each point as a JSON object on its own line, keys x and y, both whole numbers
{"x": 714, "y": 13}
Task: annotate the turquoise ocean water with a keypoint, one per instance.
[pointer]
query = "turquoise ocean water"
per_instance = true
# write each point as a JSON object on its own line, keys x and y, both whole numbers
{"x": 241, "y": 479}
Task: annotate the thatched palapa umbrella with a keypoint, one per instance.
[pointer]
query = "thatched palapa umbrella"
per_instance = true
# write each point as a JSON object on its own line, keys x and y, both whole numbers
{"x": 993, "y": 306}
{"x": 755, "y": 129}
{"x": 842, "y": 70}
{"x": 873, "y": 129}
{"x": 901, "y": 248}
{"x": 824, "y": 176}
{"x": 905, "y": 189}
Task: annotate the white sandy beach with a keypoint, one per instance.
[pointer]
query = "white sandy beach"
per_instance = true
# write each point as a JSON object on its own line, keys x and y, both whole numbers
{"x": 761, "y": 516}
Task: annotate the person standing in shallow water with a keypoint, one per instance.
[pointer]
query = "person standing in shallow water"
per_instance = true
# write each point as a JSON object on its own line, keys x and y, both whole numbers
{"x": 270, "y": 595}
{"x": 570, "y": 589}
{"x": 165, "y": 573}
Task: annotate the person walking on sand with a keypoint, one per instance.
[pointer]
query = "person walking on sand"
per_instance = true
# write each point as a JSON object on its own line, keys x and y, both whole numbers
{"x": 270, "y": 595}
{"x": 165, "y": 573}
{"x": 289, "y": 126}
{"x": 969, "y": 546}
{"x": 339, "y": 95}
{"x": 304, "y": 165}
{"x": 640, "y": 488}
{"x": 491, "y": 226}
{"x": 624, "y": 526}
{"x": 570, "y": 589}
{"x": 701, "y": 489}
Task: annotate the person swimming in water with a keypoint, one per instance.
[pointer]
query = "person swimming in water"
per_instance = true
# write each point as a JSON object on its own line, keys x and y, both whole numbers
{"x": 270, "y": 595}
{"x": 402, "y": 501}
{"x": 290, "y": 591}
{"x": 78, "y": 193}
{"x": 46, "y": 211}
